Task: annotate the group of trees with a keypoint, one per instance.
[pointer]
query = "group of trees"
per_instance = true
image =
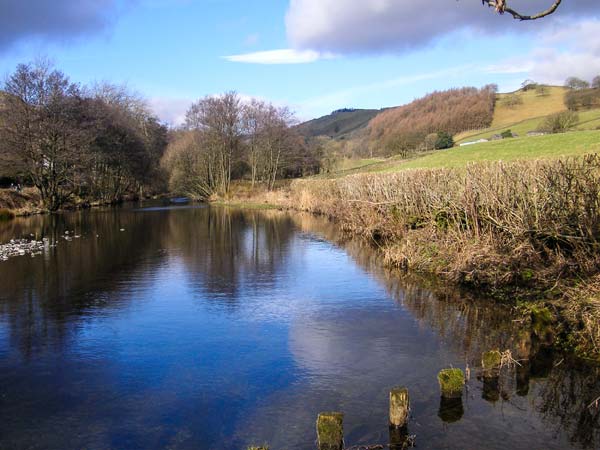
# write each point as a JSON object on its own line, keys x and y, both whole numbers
{"x": 225, "y": 138}
{"x": 582, "y": 94}
{"x": 425, "y": 123}
{"x": 98, "y": 143}
{"x": 102, "y": 143}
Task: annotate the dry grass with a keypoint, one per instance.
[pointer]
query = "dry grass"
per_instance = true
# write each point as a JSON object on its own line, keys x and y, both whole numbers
{"x": 495, "y": 224}
{"x": 534, "y": 106}
{"x": 20, "y": 203}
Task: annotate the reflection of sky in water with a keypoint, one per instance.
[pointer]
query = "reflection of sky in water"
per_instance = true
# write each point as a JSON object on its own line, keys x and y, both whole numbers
{"x": 201, "y": 328}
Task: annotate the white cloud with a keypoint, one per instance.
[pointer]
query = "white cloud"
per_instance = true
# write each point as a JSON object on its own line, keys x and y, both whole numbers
{"x": 565, "y": 49}
{"x": 350, "y": 26}
{"x": 170, "y": 110}
{"x": 282, "y": 56}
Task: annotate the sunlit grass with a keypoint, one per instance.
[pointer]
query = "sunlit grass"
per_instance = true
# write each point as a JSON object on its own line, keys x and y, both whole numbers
{"x": 537, "y": 147}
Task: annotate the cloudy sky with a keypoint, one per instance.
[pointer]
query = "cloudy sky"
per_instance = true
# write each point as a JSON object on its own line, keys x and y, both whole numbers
{"x": 313, "y": 55}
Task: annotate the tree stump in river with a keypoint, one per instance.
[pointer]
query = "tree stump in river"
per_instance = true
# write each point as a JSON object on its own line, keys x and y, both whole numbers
{"x": 330, "y": 431}
{"x": 452, "y": 383}
{"x": 491, "y": 363}
{"x": 399, "y": 407}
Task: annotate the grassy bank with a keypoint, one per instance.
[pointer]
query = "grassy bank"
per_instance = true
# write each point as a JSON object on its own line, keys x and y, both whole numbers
{"x": 520, "y": 231}
{"x": 20, "y": 203}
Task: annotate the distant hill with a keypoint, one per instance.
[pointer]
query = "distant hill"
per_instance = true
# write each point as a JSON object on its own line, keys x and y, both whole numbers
{"x": 340, "y": 124}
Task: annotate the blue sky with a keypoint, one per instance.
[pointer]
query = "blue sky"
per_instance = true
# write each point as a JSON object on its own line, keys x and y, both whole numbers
{"x": 312, "y": 55}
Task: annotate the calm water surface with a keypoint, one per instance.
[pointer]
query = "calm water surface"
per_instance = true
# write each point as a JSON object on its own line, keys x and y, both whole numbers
{"x": 208, "y": 328}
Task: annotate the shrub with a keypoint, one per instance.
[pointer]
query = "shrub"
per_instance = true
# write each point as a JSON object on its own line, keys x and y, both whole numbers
{"x": 444, "y": 140}
{"x": 506, "y": 134}
{"x": 560, "y": 122}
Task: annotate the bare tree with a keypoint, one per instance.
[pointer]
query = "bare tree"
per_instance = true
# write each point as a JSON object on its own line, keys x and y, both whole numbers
{"x": 220, "y": 121}
{"x": 502, "y": 7}
{"x": 272, "y": 144}
{"x": 45, "y": 127}
{"x": 190, "y": 166}
{"x": 129, "y": 143}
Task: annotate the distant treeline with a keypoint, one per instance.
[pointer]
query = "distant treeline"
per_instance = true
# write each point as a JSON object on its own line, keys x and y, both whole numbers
{"x": 418, "y": 125}
{"x": 97, "y": 143}
{"x": 101, "y": 143}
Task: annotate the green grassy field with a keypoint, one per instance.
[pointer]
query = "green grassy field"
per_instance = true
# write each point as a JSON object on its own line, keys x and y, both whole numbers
{"x": 537, "y": 147}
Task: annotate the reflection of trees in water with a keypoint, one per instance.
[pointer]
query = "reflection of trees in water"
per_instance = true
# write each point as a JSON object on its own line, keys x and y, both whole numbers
{"x": 473, "y": 326}
{"x": 47, "y": 296}
{"x": 567, "y": 395}
{"x": 227, "y": 252}
{"x": 224, "y": 248}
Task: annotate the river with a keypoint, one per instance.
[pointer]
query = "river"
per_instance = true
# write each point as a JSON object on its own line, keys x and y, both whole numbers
{"x": 193, "y": 327}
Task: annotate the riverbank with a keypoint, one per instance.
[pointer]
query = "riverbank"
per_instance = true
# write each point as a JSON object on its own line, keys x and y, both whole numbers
{"x": 20, "y": 203}
{"x": 525, "y": 232}
{"x": 27, "y": 202}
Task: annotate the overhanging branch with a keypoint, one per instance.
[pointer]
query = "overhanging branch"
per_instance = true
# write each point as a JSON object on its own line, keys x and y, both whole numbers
{"x": 500, "y": 7}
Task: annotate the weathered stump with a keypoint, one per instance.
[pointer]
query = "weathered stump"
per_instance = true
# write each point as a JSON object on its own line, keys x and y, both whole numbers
{"x": 330, "y": 431}
{"x": 452, "y": 383}
{"x": 491, "y": 363}
{"x": 399, "y": 407}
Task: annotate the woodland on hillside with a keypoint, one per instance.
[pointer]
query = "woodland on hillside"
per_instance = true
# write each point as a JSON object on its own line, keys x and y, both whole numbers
{"x": 409, "y": 128}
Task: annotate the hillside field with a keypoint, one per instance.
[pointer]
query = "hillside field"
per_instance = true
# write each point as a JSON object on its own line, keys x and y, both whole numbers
{"x": 523, "y": 148}
{"x": 529, "y": 115}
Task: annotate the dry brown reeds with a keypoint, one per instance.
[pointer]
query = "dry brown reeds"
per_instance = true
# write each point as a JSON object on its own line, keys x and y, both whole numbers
{"x": 520, "y": 220}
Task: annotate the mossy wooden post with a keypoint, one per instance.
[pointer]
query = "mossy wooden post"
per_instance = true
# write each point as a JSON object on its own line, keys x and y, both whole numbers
{"x": 330, "y": 431}
{"x": 452, "y": 383}
{"x": 491, "y": 362}
{"x": 399, "y": 407}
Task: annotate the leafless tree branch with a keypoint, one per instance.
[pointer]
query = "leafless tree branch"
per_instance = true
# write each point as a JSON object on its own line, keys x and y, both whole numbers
{"x": 501, "y": 7}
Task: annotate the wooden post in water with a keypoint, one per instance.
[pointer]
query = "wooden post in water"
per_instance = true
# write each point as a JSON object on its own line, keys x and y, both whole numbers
{"x": 399, "y": 407}
{"x": 330, "y": 431}
{"x": 491, "y": 362}
{"x": 452, "y": 383}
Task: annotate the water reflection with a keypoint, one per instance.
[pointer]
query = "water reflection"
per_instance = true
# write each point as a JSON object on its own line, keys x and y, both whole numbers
{"x": 217, "y": 328}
